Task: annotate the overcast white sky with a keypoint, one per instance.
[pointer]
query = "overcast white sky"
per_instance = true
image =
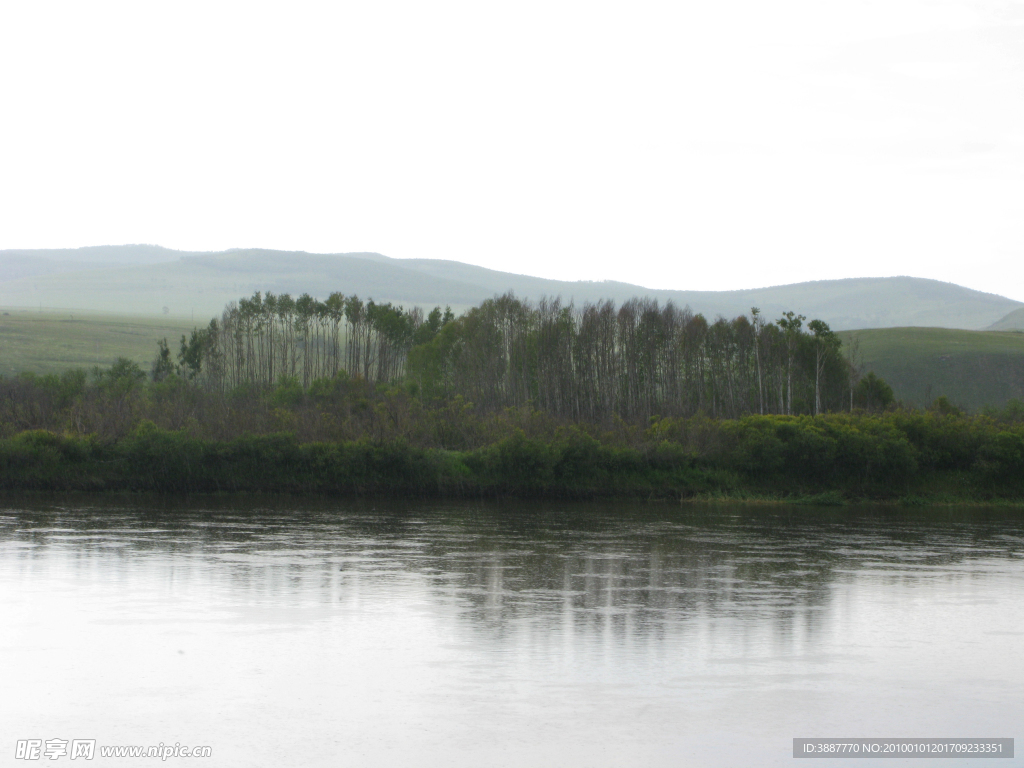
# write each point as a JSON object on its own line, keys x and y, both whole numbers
{"x": 686, "y": 144}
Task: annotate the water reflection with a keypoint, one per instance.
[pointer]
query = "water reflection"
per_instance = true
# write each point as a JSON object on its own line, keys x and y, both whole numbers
{"x": 591, "y": 632}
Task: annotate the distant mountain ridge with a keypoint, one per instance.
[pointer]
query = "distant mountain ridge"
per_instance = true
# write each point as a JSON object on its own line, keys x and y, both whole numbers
{"x": 143, "y": 279}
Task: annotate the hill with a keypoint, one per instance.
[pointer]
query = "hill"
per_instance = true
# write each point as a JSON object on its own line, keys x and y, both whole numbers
{"x": 145, "y": 279}
{"x": 1012, "y": 322}
{"x": 972, "y": 368}
{"x": 16, "y": 264}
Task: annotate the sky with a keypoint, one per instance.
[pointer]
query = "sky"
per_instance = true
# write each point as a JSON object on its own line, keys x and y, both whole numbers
{"x": 686, "y": 144}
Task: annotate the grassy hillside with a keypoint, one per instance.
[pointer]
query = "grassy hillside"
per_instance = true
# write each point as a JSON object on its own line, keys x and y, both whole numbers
{"x": 51, "y": 342}
{"x": 972, "y": 368}
{"x": 1012, "y": 322}
{"x": 106, "y": 279}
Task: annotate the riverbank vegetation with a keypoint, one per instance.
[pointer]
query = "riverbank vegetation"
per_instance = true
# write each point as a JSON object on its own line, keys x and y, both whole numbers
{"x": 509, "y": 398}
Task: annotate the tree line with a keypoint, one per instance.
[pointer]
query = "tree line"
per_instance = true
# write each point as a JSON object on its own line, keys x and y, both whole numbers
{"x": 594, "y": 362}
{"x": 264, "y": 339}
{"x": 597, "y": 362}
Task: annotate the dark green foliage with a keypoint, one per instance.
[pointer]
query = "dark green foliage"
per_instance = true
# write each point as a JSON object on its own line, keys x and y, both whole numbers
{"x": 163, "y": 366}
{"x": 1012, "y": 413}
{"x": 873, "y": 394}
{"x": 839, "y": 450}
{"x": 943, "y": 443}
{"x": 200, "y": 346}
{"x": 124, "y": 375}
{"x": 1003, "y": 456}
{"x": 942, "y": 406}
{"x": 289, "y": 393}
{"x": 821, "y": 460}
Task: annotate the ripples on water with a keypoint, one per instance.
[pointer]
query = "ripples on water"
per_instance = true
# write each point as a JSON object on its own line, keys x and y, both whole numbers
{"x": 507, "y": 634}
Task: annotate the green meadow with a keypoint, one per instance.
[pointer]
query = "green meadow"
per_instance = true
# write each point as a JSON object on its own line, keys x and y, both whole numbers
{"x": 52, "y": 341}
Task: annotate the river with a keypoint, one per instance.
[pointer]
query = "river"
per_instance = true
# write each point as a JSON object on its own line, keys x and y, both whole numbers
{"x": 504, "y": 633}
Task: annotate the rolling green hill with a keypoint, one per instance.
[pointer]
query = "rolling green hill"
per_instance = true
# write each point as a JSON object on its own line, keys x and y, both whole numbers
{"x": 972, "y": 368}
{"x": 144, "y": 279}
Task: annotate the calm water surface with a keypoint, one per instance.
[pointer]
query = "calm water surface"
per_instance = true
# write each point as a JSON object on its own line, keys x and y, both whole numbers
{"x": 506, "y": 634}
